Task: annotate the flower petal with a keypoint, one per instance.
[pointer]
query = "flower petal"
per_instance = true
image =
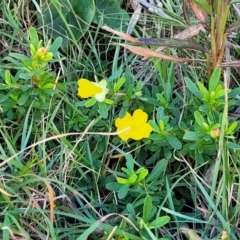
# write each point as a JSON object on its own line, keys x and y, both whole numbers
{"x": 143, "y": 132}
{"x": 87, "y": 88}
{"x": 125, "y": 135}
{"x": 100, "y": 97}
{"x": 102, "y": 84}
{"x": 139, "y": 118}
{"x": 123, "y": 123}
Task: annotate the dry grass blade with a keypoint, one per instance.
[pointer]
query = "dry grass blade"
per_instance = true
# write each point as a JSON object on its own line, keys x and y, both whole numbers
{"x": 230, "y": 64}
{"x": 148, "y": 53}
{"x": 145, "y": 52}
{"x": 50, "y": 196}
{"x": 125, "y": 36}
{"x": 6, "y": 193}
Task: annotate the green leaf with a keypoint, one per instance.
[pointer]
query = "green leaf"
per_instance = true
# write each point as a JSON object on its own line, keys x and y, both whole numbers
{"x": 119, "y": 84}
{"x": 122, "y": 180}
{"x": 143, "y": 174}
{"x": 122, "y": 193}
{"x": 26, "y": 76}
{"x": 232, "y": 145}
{"x": 147, "y": 208}
{"x": 127, "y": 171}
{"x": 154, "y": 126}
{"x": 69, "y": 19}
{"x": 192, "y": 87}
{"x": 220, "y": 93}
{"x": 203, "y": 90}
{"x": 108, "y": 101}
{"x": 48, "y": 86}
{"x": 110, "y": 13}
{"x": 131, "y": 209}
{"x": 113, "y": 186}
{"x": 199, "y": 118}
{"x": 132, "y": 179}
{"x": 90, "y": 102}
{"x": 20, "y": 56}
{"x": 3, "y": 97}
{"x": 5, "y": 227}
{"x": 23, "y": 99}
{"x": 21, "y": 110}
{"x": 159, "y": 222}
{"x": 173, "y": 141}
{"x": 139, "y": 86}
{"x": 56, "y": 45}
{"x": 130, "y": 162}
{"x": 103, "y": 110}
{"x": 157, "y": 170}
{"x": 214, "y": 80}
{"x": 193, "y": 136}
{"x": 88, "y": 231}
{"x": 231, "y": 128}
{"x": 3, "y": 86}
{"x": 33, "y": 37}
{"x": 234, "y": 92}
{"x": 8, "y": 79}
{"x": 168, "y": 91}
{"x": 161, "y": 126}
{"x": 161, "y": 99}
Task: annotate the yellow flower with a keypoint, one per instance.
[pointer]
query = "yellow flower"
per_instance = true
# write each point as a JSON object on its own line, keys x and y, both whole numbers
{"x": 136, "y": 126}
{"x": 88, "y": 89}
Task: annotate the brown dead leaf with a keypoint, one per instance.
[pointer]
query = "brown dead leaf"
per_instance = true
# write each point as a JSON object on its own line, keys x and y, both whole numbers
{"x": 200, "y": 14}
{"x": 35, "y": 203}
{"x": 147, "y": 53}
{"x": 189, "y": 32}
{"x": 122, "y": 35}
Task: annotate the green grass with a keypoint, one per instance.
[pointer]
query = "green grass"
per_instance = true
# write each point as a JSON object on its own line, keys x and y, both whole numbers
{"x": 59, "y": 164}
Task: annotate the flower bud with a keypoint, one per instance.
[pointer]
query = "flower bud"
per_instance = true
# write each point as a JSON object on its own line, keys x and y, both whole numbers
{"x": 41, "y": 52}
{"x": 215, "y": 133}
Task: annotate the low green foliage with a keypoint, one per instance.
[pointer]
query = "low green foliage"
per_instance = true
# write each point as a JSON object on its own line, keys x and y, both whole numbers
{"x": 33, "y": 83}
{"x": 90, "y": 149}
{"x": 72, "y": 18}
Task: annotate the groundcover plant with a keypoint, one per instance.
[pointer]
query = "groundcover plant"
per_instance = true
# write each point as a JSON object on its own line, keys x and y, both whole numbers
{"x": 119, "y": 119}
